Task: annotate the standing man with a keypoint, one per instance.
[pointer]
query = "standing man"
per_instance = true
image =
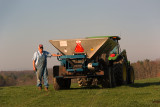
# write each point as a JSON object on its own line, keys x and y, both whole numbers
{"x": 40, "y": 66}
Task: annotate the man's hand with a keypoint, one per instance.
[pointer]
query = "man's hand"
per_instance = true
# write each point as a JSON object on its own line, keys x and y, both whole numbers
{"x": 60, "y": 55}
{"x": 34, "y": 68}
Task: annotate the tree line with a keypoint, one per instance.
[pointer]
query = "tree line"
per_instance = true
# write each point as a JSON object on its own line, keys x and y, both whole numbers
{"x": 19, "y": 78}
{"x": 146, "y": 69}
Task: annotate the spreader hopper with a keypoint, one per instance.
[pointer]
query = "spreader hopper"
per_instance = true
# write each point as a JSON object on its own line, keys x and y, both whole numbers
{"x": 89, "y": 46}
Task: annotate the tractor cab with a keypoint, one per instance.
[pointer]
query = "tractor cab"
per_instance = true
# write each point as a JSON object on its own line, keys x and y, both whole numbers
{"x": 116, "y": 49}
{"x": 115, "y": 38}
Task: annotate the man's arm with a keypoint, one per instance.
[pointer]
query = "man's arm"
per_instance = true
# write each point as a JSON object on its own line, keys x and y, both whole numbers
{"x": 56, "y": 55}
{"x": 34, "y": 68}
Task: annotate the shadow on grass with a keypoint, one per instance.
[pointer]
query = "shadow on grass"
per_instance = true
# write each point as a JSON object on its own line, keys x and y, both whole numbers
{"x": 91, "y": 87}
{"x": 139, "y": 85}
{"x": 136, "y": 85}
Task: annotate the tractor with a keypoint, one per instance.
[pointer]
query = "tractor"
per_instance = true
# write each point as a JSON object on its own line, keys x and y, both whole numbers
{"x": 92, "y": 61}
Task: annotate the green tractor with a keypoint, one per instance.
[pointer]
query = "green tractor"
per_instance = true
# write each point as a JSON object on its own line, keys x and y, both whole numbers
{"x": 92, "y": 61}
{"x": 119, "y": 71}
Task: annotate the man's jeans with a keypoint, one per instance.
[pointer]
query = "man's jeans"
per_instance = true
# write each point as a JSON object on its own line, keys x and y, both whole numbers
{"x": 42, "y": 73}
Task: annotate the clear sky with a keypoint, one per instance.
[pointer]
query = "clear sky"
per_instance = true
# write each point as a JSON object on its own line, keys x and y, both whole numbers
{"x": 26, "y": 23}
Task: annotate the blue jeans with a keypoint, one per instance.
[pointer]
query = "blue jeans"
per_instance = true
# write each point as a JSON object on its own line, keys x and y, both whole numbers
{"x": 42, "y": 73}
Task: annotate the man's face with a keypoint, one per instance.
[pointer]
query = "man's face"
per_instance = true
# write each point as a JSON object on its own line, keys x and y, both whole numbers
{"x": 40, "y": 49}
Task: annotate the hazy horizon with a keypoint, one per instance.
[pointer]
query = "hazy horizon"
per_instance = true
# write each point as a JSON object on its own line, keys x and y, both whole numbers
{"x": 25, "y": 24}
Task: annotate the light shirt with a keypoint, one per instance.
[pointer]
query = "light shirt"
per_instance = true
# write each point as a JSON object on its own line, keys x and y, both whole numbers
{"x": 38, "y": 54}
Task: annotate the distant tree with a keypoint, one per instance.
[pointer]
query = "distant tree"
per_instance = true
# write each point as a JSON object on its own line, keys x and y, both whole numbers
{"x": 2, "y": 81}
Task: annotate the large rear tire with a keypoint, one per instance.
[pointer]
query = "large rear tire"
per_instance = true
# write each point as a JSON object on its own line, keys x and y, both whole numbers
{"x": 124, "y": 73}
{"x": 109, "y": 79}
{"x": 120, "y": 71}
{"x": 117, "y": 68}
{"x": 131, "y": 76}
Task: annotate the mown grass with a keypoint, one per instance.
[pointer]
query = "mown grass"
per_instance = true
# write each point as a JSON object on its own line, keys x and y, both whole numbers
{"x": 144, "y": 93}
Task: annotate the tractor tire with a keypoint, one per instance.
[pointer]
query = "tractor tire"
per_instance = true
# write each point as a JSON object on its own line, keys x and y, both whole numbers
{"x": 117, "y": 68}
{"x": 55, "y": 71}
{"x": 67, "y": 83}
{"x": 58, "y": 83}
{"x": 124, "y": 73}
{"x": 109, "y": 79}
{"x": 120, "y": 71}
{"x": 131, "y": 76}
{"x": 113, "y": 80}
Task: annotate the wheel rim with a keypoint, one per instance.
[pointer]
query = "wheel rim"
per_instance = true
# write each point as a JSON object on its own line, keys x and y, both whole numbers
{"x": 124, "y": 72}
{"x": 132, "y": 76}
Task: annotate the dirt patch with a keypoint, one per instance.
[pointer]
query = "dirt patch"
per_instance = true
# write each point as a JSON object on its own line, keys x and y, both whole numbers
{"x": 156, "y": 101}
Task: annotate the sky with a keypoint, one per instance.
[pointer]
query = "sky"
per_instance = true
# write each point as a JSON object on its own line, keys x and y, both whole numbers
{"x": 26, "y": 23}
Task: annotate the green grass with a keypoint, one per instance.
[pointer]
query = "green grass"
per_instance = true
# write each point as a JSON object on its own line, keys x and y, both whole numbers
{"x": 144, "y": 93}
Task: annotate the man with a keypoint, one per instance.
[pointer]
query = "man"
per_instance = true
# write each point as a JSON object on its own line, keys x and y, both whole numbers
{"x": 40, "y": 66}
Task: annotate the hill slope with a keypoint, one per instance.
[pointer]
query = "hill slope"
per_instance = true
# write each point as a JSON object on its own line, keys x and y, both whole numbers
{"x": 142, "y": 93}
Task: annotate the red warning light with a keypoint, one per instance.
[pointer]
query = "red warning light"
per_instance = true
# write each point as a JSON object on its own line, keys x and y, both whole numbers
{"x": 112, "y": 55}
{"x": 79, "y": 48}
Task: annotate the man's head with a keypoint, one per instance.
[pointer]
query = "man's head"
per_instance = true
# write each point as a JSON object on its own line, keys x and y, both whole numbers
{"x": 40, "y": 48}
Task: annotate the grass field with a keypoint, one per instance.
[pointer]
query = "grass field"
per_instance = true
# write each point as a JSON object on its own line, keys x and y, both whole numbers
{"x": 144, "y": 93}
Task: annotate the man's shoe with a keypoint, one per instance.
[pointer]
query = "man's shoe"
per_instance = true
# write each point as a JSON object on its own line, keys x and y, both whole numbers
{"x": 40, "y": 88}
{"x": 46, "y": 88}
